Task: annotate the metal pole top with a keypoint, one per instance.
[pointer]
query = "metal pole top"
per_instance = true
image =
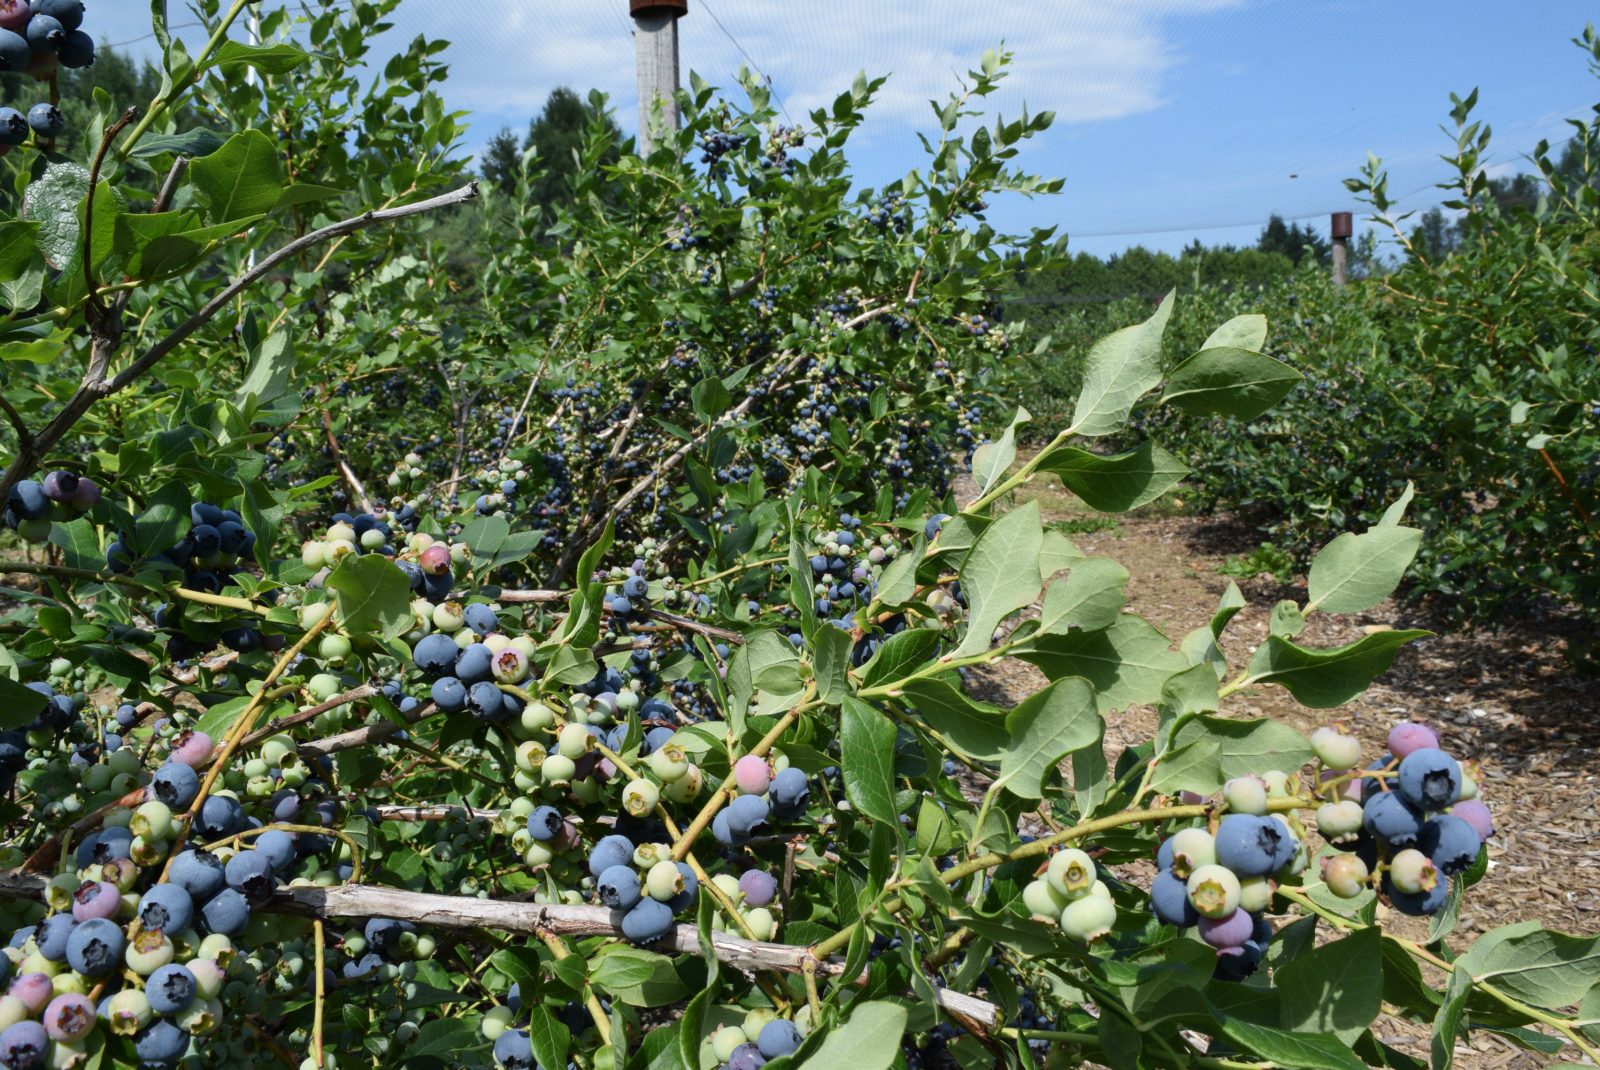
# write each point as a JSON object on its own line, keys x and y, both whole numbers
{"x": 675, "y": 8}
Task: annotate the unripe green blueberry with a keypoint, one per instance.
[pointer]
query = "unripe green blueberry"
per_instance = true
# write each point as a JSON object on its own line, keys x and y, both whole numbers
{"x": 129, "y": 1012}
{"x": 322, "y": 687}
{"x": 669, "y": 763}
{"x": 1334, "y": 749}
{"x": 558, "y": 769}
{"x": 1255, "y": 894}
{"x": 313, "y": 555}
{"x": 123, "y": 762}
{"x": 1346, "y": 875}
{"x": 495, "y": 1022}
{"x": 663, "y": 881}
{"x": 1043, "y": 901}
{"x": 311, "y": 614}
{"x": 1413, "y": 872}
{"x": 538, "y": 854}
{"x": 587, "y": 790}
{"x": 146, "y": 852}
{"x": 1071, "y": 872}
{"x": 1191, "y": 849}
{"x": 1339, "y": 821}
{"x": 726, "y": 1038}
{"x": 152, "y": 821}
{"x": 687, "y": 788}
{"x": 757, "y": 1019}
{"x": 1246, "y": 795}
{"x": 1278, "y": 784}
{"x": 530, "y": 756}
{"x": 1089, "y": 919}
{"x": 640, "y": 797}
{"x": 1214, "y": 891}
{"x": 333, "y": 648}
{"x": 447, "y": 617}
{"x": 646, "y": 855}
{"x": 200, "y": 1017}
{"x": 69, "y": 984}
{"x": 729, "y": 885}
{"x": 762, "y": 923}
{"x": 537, "y": 717}
{"x": 148, "y": 952}
{"x": 574, "y": 740}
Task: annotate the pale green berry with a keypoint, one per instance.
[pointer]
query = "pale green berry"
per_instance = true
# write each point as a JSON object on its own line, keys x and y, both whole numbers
{"x": 152, "y": 821}
{"x": 558, "y": 769}
{"x": 495, "y": 1022}
{"x": 574, "y": 740}
{"x": 1071, "y": 872}
{"x": 1413, "y": 872}
{"x": 1246, "y": 795}
{"x": 334, "y": 648}
{"x": 726, "y": 1038}
{"x": 537, "y": 717}
{"x": 757, "y": 1019}
{"x": 762, "y": 923}
{"x": 1345, "y": 875}
{"x": 640, "y": 797}
{"x": 687, "y": 788}
{"x": 129, "y": 1011}
{"x": 663, "y": 881}
{"x": 1043, "y": 901}
{"x": 1339, "y": 821}
{"x": 1089, "y": 919}
{"x": 1277, "y": 783}
{"x": 1255, "y": 894}
{"x": 1191, "y": 849}
{"x": 669, "y": 763}
{"x": 1334, "y": 749}
{"x": 530, "y": 756}
{"x": 1214, "y": 891}
{"x": 148, "y": 952}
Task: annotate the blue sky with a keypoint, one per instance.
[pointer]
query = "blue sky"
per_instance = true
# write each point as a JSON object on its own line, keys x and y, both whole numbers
{"x": 1176, "y": 118}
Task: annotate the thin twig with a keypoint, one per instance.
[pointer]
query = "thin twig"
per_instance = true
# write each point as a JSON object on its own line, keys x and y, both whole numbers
{"x": 88, "y": 206}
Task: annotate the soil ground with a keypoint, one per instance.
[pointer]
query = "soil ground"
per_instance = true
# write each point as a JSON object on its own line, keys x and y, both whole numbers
{"x": 1506, "y": 698}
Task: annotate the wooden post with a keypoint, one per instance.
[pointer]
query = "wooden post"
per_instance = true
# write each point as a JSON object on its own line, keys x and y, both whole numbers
{"x": 655, "y": 41}
{"x": 1340, "y": 230}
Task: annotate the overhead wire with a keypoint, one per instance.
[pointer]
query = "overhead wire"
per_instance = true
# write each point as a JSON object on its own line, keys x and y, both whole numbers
{"x": 765, "y": 77}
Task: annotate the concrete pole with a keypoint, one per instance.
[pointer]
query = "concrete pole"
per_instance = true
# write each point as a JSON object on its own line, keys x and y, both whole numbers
{"x": 655, "y": 41}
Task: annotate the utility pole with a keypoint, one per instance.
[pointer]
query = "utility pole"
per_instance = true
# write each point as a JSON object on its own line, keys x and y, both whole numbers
{"x": 655, "y": 41}
{"x": 250, "y": 71}
{"x": 1340, "y": 230}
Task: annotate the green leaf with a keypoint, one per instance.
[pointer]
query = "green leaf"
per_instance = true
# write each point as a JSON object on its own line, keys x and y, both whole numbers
{"x": 1336, "y": 988}
{"x": 191, "y": 143}
{"x": 767, "y": 662}
{"x": 831, "y": 662}
{"x": 373, "y": 595}
{"x": 1217, "y": 749}
{"x": 710, "y": 398}
{"x": 268, "y": 59}
{"x": 900, "y": 654}
{"x": 637, "y": 977}
{"x": 1044, "y": 728}
{"x": 19, "y": 241}
{"x": 990, "y": 577}
{"x": 1397, "y": 509}
{"x": 1127, "y": 663}
{"x": 79, "y": 542}
{"x": 976, "y": 729}
{"x": 1229, "y": 382}
{"x": 243, "y": 178}
{"x": 1540, "y": 966}
{"x": 866, "y": 747}
{"x": 992, "y": 460}
{"x": 899, "y": 582}
{"x": 269, "y": 372}
{"x": 51, "y": 201}
{"x": 1242, "y": 332}
{"x": 163, "y": 521}
{"x": 1116, "y": 483}
{"x": 1119, "y": 369}
{"x": 19, "y": 705}
{"x": 1355, "y": 572}
{"x": 1448, "y": 1020}
{"x": 36, "y": 350}
{"x": 1323, "y": 679}
{"x": 550, "y": 1037}
{"x": 1303, "y": 1051}
{"x": 869, "y": 1040}
{"x": 1057, "y": 553}
{"x": 1091, "y": 597}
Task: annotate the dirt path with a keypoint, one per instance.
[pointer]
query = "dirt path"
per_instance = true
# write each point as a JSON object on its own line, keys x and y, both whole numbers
{"x": 1506, "y": 699}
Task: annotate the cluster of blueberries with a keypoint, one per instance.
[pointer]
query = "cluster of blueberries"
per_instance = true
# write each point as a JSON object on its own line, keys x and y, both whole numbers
{"x": 36, "y": 36}
{"x": 33, "y": 505}
{"x": 1406, "y": 827}
{"x": 207, "y": 555}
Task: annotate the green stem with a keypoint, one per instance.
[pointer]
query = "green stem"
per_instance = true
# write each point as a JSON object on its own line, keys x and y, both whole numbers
{"x": 164, "y": 102}
{"x": 1021, "y": 476}
{"x": 242, "y": 605}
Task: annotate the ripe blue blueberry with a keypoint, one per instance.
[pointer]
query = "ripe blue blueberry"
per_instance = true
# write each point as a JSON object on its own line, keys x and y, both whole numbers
{"x": 220, "y": 816}
{"x": 481, "y": 618}
{"x": 485, "y": 701}
{"x": 513, "y": 1050}
{"x": 747, "y": 814}
{"x": 790, "y": 791}
{"x": 1430, "y": 779}
{"x": 1451, "y": 843}
{"x": 250, "y": 874}
{"x": 67, "y": 12}
{"x": 199, "y": 873}
{"x": 1169, "y": 900}
{"x": 13, "y": 124}
{"x": 544, "y": 823}
{"x": 226, "y": 913}
{"x": 474, "y": 663}
{"x": 611, "y": 851}
{"x": 746, "y": 1057}
{"x": 435, "y": 654}
{"x": 95, "y": 948}
{"x": 24, "y": 1046}
{"x": 618, "y": 887}
{"x": 1392, "y": 819}
{"x": 449, "y": 694}
{"x": 648, "y": 921}
{"x": 167, "y": 907}
{"x": 383, "y": 935}
{"x": 53, "y": 934}
{"x": 1251, "y": 846}
{"x": 161, "y": 1044}
{"x": 277, "y": 846}
{"x": 169, "y": 989}
{"x": 778, "y": 1037}
{"x": 175, "y": 784}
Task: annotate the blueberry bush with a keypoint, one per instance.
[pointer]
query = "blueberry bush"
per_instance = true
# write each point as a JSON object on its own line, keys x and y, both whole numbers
{"x": 560, "y": 651}
{"x": 1477, "y": 366}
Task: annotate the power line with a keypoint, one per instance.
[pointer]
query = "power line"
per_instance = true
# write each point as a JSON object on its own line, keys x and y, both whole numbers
{"x": 747, "y": 58}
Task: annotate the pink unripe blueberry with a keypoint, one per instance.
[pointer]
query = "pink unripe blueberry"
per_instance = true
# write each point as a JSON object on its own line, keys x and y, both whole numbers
{"x": 68, "y": 1017}
{"x": 96, "y": 899}
{"x": 85, "y": 495}
{"x": 1409, "y": 736}
{"x": 193, "y": 749}
{"x": 752, "y": 775}
{"x": 34, "y": 990}
{"x": 1476, "y": 814}
{"x": 1230, "y": 931}
{"x": 435, "y": 560}
{"x": 1345, "y": 875}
